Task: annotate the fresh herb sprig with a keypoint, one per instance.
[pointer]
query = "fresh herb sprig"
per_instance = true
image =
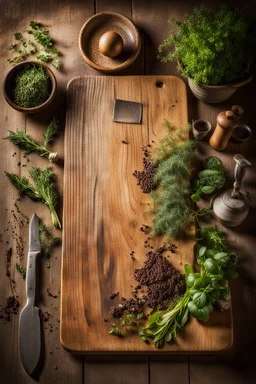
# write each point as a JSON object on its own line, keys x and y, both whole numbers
{"x": 44, "y": 189}
{"x": 204, "y": 289}
{"x": 25, "y": 142}
{"x": 129, "y": 322}
{"x": 47, "y": 241}
{"x": 171, "y": 207}
{"x": 22, "y": 270}
{"x": 42, "y": 44}
{"x": 210, "y": 179}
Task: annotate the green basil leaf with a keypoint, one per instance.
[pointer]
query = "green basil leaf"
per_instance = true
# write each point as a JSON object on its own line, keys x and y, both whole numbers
{"x": 153, "y": 319}
{"x": 188, "y": 269}
{"x": 211, "y": 266}
{"x": 190, "y": 279}
{"x": 203, "y": 313}
{"x": 199, "y": 299}
{"x": 195, "y": 197}
{"x": 207, "y": 189}
{"x": 202, "y": 251}
{"x": 184, "y": 318}
{"x": 210, "y": 253}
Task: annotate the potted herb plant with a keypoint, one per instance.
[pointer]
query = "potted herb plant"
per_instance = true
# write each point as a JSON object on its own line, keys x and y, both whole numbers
{"x": 214, "y": 51}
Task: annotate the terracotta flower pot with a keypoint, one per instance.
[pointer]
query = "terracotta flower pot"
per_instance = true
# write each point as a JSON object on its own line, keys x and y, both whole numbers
{"x": 216, "y": 93}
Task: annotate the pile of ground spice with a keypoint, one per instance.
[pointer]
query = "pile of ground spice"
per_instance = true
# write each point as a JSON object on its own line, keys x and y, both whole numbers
{"x": 145, "y": 178}
{"x": 11, "y": 308}
{"x": 163, "y": 281}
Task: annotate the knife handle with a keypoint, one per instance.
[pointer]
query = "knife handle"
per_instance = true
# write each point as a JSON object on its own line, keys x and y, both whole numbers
{"x": 31, "y": 277}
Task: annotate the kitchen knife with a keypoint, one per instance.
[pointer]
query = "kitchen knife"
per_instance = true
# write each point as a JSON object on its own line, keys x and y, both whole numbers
{"x": 29, "y": 324}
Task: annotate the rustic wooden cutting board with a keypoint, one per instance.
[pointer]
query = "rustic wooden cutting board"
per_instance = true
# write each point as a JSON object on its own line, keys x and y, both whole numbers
{"x": 103, "y": 211}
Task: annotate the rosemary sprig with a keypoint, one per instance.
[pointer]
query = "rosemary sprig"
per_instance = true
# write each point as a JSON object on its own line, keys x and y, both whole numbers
{"x": 44, "y": 189}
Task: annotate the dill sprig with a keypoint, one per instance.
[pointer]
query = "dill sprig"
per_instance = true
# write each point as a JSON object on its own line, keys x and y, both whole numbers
{"x": 170, "y": 201}
{"x": 25, "y": 142}
{"x": 44, "y": 189}
{"x": 44, "y": 181}
{"x": 47, "y": 241}
{"x": 23, "y": 186}
{"x": 22, "y": 270}
{"x": 50, "y": 131}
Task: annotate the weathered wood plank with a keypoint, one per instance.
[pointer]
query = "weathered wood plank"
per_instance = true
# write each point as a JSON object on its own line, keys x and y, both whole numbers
{"x": 172, "y": 369}
{"x": 64, "y": 20}
{"x": 116, "y": 370}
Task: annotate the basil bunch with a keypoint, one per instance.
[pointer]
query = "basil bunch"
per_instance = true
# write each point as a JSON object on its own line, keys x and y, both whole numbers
{"x": 210, "y": 179}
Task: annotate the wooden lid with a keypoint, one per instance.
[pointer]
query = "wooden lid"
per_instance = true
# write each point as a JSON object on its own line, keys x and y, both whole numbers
{"x": 93, "y": 30}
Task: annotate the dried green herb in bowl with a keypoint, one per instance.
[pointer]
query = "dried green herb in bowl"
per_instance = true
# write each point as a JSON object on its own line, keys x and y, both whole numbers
{"x": 29, "y": 87}
{"x": 32, "y": 86}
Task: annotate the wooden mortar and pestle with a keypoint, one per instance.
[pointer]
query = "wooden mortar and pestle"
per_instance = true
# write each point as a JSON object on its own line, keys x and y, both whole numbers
{"x": 227, "y": 121}
{"x": 111, "y": 44}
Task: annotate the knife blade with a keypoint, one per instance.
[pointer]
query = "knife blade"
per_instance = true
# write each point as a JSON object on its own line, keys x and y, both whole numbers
{"x": 29, "y": 321}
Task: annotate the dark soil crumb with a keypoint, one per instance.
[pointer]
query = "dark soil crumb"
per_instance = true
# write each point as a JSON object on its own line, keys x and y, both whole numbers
{"x": 163, "y": 281}
{"x": 132, "y": 255}
{"x": 145, "y": 178}
{"x": 113, "y": 295}
{"x": 50, "y": 294}
{"x": 45, "y": 316}
{"x": 145, "y": 229}
{"x": 11, "y": 308}
{"x": 130, "y": 305}
{"x": 8, "y": 262}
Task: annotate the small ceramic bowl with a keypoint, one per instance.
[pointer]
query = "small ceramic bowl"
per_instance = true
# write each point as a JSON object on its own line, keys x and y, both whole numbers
{"x": 201, "y": 128}
{"x": 242, "y": 133}
{"x": 92, "y": 32}
{"x": 8, "y": 86}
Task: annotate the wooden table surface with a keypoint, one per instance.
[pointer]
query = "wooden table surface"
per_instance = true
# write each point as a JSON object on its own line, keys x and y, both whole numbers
{"x": 64, "y": 18}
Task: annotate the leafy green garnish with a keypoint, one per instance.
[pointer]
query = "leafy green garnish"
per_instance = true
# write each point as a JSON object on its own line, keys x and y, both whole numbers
{"x": 47, "y": 241}
{"x": 211, "y": 47}
{"x": 22, "y": 270}
{"x": 44, "y": 189}
{"x": 171, "y": 206}
{"x": 25, "y": 142}
{"x": 50, "y": 131}
{"x": 42, "y": 43}
{"x": 210, "y": 179}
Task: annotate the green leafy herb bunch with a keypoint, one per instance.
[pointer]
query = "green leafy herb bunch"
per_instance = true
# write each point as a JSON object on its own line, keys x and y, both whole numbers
{"x": 211, "y": 47}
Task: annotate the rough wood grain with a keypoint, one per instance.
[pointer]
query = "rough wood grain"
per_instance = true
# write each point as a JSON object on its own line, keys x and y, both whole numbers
{"x": 103, "y": 210}
{"x": 62, "y": 19}
{"x": 116, "y": 370}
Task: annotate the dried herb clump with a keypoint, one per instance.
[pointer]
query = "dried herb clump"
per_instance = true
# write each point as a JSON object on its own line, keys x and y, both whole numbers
{"x": 32, "y": 86}
{"x": 211, "y": 47}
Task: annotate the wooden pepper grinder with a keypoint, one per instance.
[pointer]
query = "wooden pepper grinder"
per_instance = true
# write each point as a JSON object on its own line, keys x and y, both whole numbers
{"x": 226, "y": 123}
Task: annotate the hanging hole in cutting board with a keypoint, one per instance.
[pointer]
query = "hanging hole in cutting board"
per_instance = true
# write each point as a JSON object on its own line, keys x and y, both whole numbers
{"x": 160, "y": 84}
